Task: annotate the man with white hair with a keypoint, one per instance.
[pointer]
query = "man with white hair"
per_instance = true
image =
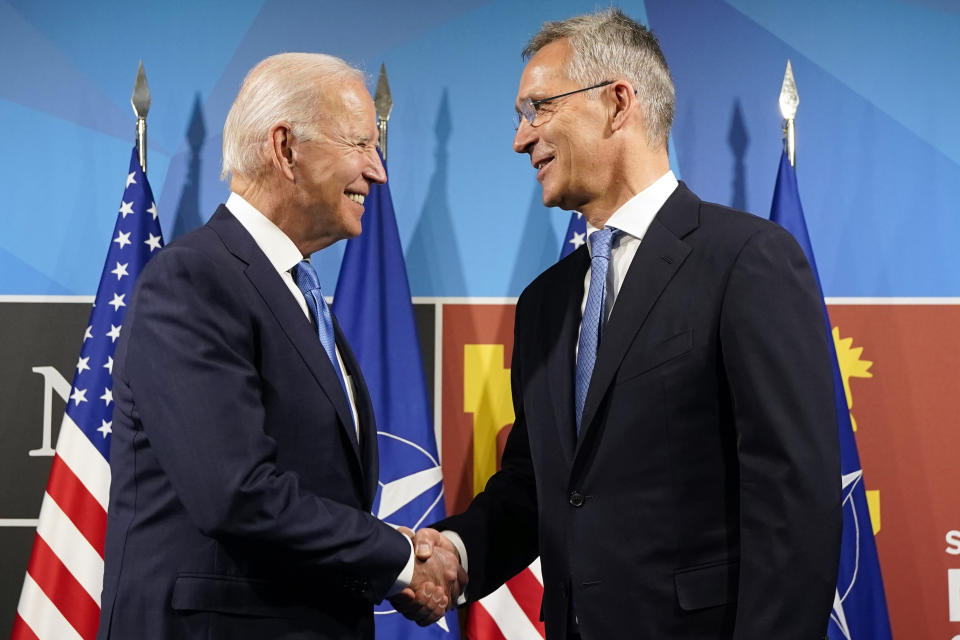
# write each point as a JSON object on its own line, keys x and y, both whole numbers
{"x": 674, "y": 459}
{"x": 244, "y": 456}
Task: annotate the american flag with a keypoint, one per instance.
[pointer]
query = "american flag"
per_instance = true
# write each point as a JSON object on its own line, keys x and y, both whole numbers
{"x": 512, "y": 612}
{"x": 61, "y": 591}
{"x": 576, "y": 234}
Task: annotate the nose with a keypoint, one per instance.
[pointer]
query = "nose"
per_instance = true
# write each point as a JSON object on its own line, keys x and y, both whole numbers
{"x": 375, "y": 171}
{"x": 525, "y": 137}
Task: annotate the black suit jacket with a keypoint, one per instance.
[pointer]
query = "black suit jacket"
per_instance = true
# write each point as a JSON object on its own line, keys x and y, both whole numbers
{"x": 702, "y": 499}
{"x": 240, "y": 498}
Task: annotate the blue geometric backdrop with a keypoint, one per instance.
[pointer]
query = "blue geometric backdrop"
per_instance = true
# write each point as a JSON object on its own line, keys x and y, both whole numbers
{"x": 878, "y": 159}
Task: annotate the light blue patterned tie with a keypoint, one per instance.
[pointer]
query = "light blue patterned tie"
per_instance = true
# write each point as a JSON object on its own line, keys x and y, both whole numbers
{"x": 591, "y": 325}
{"x": 308, "y": 282}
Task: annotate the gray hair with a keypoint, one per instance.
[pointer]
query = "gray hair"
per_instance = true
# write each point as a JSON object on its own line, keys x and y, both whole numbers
{"x": 285, "y": 87}
{"x": 607, "y": 45}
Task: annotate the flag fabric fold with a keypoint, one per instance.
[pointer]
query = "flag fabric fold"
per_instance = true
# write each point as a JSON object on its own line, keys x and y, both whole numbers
{"x": 60, "y": 598}
{"x": 859, "y": 608}
{"x": 373, "y": 306}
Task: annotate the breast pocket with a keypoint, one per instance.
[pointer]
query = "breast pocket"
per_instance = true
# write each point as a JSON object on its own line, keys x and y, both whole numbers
{"x": 667, "y": 350}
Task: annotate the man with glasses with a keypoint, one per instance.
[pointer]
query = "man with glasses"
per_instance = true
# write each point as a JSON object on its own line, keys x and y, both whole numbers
{"x": 674, "y": 459}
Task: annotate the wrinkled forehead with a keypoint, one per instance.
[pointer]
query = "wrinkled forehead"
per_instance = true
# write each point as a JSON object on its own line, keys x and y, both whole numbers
{"x": 348, "y": 104}
{"x": 545, "y": 73}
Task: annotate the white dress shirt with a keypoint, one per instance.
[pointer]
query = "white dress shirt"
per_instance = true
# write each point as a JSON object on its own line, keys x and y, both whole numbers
{"x": 284, "y": 256}
{"x": 633, "y": 219}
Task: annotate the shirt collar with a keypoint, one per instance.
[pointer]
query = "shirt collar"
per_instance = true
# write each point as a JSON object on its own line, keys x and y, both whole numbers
{"x": 278, "y": 247}
{"x": 635, "y": 215}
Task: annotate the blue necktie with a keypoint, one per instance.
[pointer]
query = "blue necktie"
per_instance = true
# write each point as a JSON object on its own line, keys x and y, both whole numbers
{"x": 308, "y": 282}
{"x": 593, "y": 315}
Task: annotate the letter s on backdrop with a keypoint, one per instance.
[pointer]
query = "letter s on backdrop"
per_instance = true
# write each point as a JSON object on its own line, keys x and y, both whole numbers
{"x": 953, "y": 543}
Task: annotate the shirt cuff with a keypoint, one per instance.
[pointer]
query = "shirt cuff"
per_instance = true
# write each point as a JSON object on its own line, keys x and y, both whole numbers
{"x": 406, "y": 574}
{"x": 457, "y": 542}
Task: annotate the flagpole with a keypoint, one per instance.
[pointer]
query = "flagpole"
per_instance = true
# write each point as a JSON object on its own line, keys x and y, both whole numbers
{"x": 789, "y": 101}
{"x": 384, "y": 104}
{"x": 140, "y": 99}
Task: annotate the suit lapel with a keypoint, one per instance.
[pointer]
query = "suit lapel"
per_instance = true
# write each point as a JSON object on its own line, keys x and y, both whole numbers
{"x": 660, "y": 255}
{"x": 559, "y": 346}
{"x": 289, "y": 315}
{"x": 367, "y": 428}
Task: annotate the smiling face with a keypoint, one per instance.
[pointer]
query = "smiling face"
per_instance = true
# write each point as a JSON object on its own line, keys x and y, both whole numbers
{"x": 334, "y": 171}
{"x": 566, "y": 144}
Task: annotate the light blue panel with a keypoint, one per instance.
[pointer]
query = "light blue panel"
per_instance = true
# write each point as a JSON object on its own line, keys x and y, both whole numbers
{"x": 183, "y": 58}
{"x": 35, "y": 73}
{"x": 878, "y": 143}
{"x": 879, "y": 200}
{"x": 184, "y": 47}
{"x": 901, "y": 56}
{"x": 876, "y": 194}
{"x": 59, "y": 201}
{"x": 25, "y": 280}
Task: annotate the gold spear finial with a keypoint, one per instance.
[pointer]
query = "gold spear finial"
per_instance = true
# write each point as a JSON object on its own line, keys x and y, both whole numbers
{"x": 141, "y": 105}
{"x": 789, "y": 101}
{"x": 384, "y": 104}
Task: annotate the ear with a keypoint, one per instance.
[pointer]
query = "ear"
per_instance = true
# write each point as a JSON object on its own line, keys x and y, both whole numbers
{"x": 283, "y": 150}
{"x": 624, "y": 104}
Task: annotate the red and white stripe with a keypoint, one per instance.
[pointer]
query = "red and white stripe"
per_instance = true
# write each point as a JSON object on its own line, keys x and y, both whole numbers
{"x": 512, "y": 612}
{"x": 61, "y": 592}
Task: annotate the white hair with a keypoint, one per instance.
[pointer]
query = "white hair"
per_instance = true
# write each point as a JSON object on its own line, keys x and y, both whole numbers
{"x": 607, "y": 45}
{"x": 288, "y": 88}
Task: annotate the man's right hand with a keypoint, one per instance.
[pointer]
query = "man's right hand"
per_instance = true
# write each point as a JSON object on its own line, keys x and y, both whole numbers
{"x": 438, "y": 579}
{"x": 425, "y": 540}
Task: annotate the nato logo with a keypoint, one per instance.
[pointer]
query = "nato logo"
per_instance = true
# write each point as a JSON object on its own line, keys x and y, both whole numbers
{"x": 848, "y": 575}
{"x": 409, "y": 491}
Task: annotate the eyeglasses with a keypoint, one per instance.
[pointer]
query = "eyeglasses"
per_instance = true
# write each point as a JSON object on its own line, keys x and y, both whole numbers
{"x": 530, "y": 109}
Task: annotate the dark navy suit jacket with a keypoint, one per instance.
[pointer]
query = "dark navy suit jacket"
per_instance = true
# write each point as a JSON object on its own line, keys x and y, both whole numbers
{"x": 240, "y": 498}
{"x": 702, "y": 498}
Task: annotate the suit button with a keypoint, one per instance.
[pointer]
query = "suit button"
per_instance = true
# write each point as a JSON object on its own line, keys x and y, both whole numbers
{"x": 563, "y": 589}
{"x": 576, "y": 498}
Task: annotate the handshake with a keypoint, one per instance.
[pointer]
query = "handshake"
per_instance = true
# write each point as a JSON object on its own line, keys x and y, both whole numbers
{"x": 438, "y": 578}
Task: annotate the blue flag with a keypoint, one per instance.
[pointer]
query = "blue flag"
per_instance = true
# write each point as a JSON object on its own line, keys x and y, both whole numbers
{"x": 860, "y": 607}
{"x": 374, "y": 309}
